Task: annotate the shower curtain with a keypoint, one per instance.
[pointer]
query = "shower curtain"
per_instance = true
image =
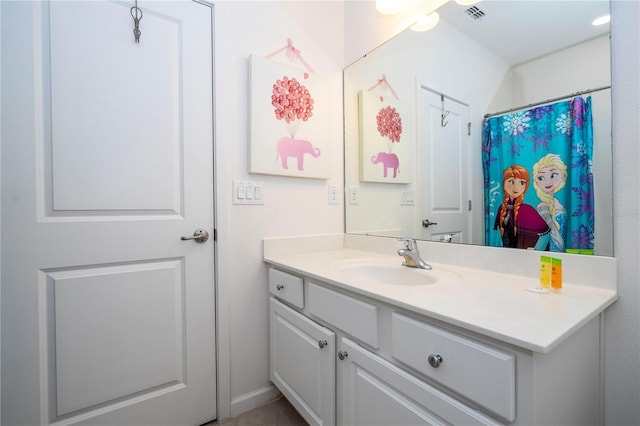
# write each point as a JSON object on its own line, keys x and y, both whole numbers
{"x": 538, "y": 178}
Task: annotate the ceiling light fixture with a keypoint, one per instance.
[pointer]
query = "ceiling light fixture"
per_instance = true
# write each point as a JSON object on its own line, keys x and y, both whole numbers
{"x": 426, "y": 22}
{"x": 601, "y": 20}
{"x": 390, "y": 7}
{"x": 467, "y": 2}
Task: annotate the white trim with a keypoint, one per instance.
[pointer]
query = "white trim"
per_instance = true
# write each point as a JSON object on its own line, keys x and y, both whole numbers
{"x": 251, "y": 400}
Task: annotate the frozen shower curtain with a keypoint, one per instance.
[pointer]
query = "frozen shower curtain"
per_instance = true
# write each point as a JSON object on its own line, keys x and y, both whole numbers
{"x": 538, "y": 179}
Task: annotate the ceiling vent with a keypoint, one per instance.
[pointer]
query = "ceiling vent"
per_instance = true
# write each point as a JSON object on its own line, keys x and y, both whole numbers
{"x": 474, "y": 13}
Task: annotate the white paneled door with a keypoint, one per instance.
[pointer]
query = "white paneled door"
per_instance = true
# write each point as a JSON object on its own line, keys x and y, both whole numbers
{"x": 443, "y": 149}
{"x": 107, "y": 161}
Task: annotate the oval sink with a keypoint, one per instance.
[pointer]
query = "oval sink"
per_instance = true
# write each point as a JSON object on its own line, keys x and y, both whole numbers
{"x": 387, "y": 274}
{"x": 392, "y": 273}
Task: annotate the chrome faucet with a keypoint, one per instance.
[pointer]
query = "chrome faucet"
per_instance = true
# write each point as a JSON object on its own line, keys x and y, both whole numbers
{"x": 412, "y": 255}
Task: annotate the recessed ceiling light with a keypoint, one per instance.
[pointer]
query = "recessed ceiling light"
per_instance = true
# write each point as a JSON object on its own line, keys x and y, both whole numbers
{"x": 467, "y": 2}
{"x": 601, "y": 20}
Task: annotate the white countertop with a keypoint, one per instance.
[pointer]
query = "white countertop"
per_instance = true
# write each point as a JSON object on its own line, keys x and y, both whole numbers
{"x": 494, "y": 304}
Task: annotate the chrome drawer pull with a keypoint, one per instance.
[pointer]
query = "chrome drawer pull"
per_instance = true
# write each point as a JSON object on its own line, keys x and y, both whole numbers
{"x": 280, "y": 287}
{"x": 322, "y": 343}
{"x": 435, "y": 360}
{"x": 342, "y": 355}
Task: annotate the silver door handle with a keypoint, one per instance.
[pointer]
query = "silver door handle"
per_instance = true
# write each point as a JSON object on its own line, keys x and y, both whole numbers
{"x": 199, "y": 236}
{"x": 427, "y": 223}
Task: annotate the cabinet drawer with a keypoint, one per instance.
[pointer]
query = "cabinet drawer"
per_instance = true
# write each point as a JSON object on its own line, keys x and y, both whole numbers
{"x": 353, "y": 316}
{"x": 374, "y": 391}
{"x": 286, "y": 287}
{"x": 477, "y": 371}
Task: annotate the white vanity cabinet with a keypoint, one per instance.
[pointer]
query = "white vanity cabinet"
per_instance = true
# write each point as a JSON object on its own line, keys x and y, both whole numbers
{"x": 383, "y": 364}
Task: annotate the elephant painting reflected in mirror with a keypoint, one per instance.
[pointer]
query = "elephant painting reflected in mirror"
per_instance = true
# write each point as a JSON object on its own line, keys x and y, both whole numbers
{"x": 289, "y": 147}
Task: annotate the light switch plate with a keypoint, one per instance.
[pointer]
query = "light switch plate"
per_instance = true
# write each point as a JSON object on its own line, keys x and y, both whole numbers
{"x": 408, "y": 197}
{"x": 333, "y": 194}
{"x": 248, "y": 192}
{"x": 353, "y": 195}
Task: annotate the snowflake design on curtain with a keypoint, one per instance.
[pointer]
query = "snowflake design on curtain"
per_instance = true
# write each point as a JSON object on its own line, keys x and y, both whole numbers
{"x": 517, "y": 124}
{"x": 564, "y": 124}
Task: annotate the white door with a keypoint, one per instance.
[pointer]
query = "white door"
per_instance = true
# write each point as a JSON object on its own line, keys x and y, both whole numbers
{"x": 443, "y": 167}
{"x": 107, "y": 160}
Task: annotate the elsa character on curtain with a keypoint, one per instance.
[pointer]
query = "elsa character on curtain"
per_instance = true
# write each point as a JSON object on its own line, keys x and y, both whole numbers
{"x": 519, "y": 223}
{"x": 550, "y": 177}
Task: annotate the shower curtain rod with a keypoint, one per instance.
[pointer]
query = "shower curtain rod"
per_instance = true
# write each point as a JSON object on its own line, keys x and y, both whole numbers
{"x": 584, "y": 92}
{"x": 442, "y": 94}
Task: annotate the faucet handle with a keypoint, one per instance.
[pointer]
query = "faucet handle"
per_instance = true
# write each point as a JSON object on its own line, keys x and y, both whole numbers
{"x": 410, "y": 243}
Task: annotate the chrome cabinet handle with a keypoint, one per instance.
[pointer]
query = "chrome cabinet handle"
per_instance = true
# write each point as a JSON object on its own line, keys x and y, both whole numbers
{"x": 199, "y": 236}
{"x": 342, "y": 355}
{"x": 322, "y": 343}
{"x": 435, "y": 360}
{"x": 279, "y": 287}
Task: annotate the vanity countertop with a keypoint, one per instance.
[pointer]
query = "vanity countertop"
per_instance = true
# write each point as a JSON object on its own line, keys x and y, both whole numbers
{"x": 493, "y": 304}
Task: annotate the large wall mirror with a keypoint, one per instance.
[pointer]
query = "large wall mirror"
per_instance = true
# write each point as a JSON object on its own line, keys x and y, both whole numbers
{"x": 415, "y": 108}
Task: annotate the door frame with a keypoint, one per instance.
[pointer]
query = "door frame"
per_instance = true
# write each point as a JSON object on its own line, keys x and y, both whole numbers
{"x": 221, "y": 314}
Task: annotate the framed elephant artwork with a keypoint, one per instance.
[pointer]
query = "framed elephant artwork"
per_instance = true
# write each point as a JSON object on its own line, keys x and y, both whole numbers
{"x": 386, "y": 139}
{"x": 289, "y": 117}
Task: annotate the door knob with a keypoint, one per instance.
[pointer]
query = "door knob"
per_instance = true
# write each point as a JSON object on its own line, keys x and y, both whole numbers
{"x": 199, "y": 236}
{"x": 427, "y": 223}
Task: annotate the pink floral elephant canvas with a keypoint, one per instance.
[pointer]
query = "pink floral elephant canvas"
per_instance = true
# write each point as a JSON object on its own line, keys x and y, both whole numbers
{"x": 289, "y": 121}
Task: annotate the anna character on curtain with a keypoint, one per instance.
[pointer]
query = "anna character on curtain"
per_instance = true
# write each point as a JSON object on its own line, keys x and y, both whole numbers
{"x": 519, "y": 223}
{"x": 550, "y": 177}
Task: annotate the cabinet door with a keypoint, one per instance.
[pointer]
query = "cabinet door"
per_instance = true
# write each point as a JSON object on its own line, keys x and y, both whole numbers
{"x": 375, "y": 392}
{"x": 303, "y": 363}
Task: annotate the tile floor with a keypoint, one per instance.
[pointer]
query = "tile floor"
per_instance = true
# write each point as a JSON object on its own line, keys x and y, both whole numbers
{"x": 277, "y": 413}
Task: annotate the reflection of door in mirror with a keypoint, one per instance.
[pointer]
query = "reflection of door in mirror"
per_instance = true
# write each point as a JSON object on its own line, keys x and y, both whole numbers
{"x": 443, "y": 150}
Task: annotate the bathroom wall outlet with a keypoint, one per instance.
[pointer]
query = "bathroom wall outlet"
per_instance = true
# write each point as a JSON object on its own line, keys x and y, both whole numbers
{"x": 408, "y": 198}
{"x": 353, "y": 195}
{"x": 248, "y": 192}
{"x": 333, "y": 194}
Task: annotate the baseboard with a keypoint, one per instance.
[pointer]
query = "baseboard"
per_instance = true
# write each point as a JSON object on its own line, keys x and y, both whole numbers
{"x": 251, "y": 400}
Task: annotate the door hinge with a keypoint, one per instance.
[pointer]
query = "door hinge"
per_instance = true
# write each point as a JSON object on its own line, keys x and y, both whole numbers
{"x": 469, "y": 131}
{"x": 215, "y": 234}
{"x": 469, "y": 206}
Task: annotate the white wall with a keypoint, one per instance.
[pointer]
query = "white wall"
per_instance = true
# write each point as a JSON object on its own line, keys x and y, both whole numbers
{"x": 583, "y": 66}
{"x": 622, "y": 338}
{"x": 292, "y": 206}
